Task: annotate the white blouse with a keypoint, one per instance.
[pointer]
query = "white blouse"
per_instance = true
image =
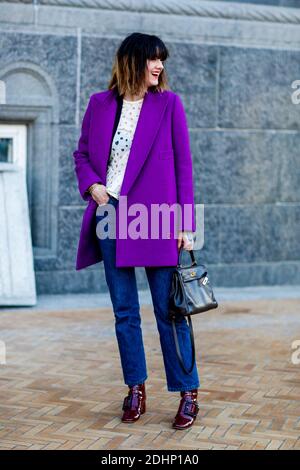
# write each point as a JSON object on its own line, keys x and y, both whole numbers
{"x": 121, "y": 145}
{"x": 120, "y": 149}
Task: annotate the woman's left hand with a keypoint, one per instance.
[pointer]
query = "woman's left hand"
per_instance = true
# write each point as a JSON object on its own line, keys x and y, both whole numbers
{"x": 187, "y": 242}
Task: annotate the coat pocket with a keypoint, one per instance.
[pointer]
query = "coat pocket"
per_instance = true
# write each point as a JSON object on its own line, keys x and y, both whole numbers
{"x": 166, "y": 154}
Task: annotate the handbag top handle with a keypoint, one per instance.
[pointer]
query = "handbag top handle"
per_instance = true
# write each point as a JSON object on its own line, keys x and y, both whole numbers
{"x": 191, "y": 252}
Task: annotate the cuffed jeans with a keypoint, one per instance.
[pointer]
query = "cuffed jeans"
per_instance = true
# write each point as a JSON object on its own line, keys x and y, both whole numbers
{"x": 123, "y": 291}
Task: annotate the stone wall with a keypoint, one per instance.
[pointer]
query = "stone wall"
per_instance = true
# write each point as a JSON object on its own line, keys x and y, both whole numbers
{"x": 278, "y": 3}
{"x": 233, "y": 66}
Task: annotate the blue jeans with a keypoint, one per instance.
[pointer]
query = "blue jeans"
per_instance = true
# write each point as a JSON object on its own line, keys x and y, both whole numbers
{"x": 124, "y": 297}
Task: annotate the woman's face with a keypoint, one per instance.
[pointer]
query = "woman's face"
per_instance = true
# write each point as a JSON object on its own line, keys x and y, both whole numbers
{"x": 154, "y": 69}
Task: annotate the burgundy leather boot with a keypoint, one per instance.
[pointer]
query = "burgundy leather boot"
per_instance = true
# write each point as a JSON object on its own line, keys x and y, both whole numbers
{"x": 134, "y": 404}
{"x": 187, "y": 411}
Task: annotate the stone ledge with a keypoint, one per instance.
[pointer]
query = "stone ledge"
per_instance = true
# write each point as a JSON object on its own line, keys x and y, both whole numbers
{"x": 210, "y": 9}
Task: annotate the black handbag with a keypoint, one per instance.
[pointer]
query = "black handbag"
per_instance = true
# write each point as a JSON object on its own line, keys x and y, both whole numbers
{"x": 191, "y": 293}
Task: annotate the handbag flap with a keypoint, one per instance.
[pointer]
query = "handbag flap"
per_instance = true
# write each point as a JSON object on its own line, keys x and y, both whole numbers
{"x": 195, "y": 272}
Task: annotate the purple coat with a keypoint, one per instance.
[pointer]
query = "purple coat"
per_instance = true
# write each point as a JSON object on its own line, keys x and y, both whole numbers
{"x": 159, "y": 170}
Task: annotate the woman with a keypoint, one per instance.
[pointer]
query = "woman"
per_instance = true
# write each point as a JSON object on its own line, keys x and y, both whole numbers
{"x": 134, "y": 146}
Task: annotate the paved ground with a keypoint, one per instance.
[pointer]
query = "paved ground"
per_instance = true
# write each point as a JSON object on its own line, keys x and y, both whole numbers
{"x": 76, "y": 301}
{"x": 62, "y": 388}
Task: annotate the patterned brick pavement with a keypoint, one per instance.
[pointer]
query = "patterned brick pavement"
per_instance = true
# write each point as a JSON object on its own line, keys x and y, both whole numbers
{"x": 62, "y": 387}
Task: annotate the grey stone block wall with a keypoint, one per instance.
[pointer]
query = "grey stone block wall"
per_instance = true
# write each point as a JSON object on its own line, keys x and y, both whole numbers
{"x": 234, "y": 77}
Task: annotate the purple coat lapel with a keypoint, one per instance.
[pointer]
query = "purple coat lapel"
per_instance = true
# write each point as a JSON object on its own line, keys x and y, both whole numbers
{"x": 150, "y": 117}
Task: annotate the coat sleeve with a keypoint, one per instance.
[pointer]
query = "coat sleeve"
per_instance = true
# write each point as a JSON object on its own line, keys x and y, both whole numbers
{"x": 85, "y": 173}
{"x": 183, "y": 165}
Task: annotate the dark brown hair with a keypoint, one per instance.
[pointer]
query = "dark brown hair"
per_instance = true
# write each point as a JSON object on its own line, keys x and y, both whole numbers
{"x": 129, "y": 68}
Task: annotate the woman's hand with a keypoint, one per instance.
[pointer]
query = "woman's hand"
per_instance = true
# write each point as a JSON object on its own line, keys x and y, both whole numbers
{"x": 187, "y": 241}
{"x": 99, "y": 194}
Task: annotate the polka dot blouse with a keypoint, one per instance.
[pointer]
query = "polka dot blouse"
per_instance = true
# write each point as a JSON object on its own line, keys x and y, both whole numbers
{"x": 121, "y": 145}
